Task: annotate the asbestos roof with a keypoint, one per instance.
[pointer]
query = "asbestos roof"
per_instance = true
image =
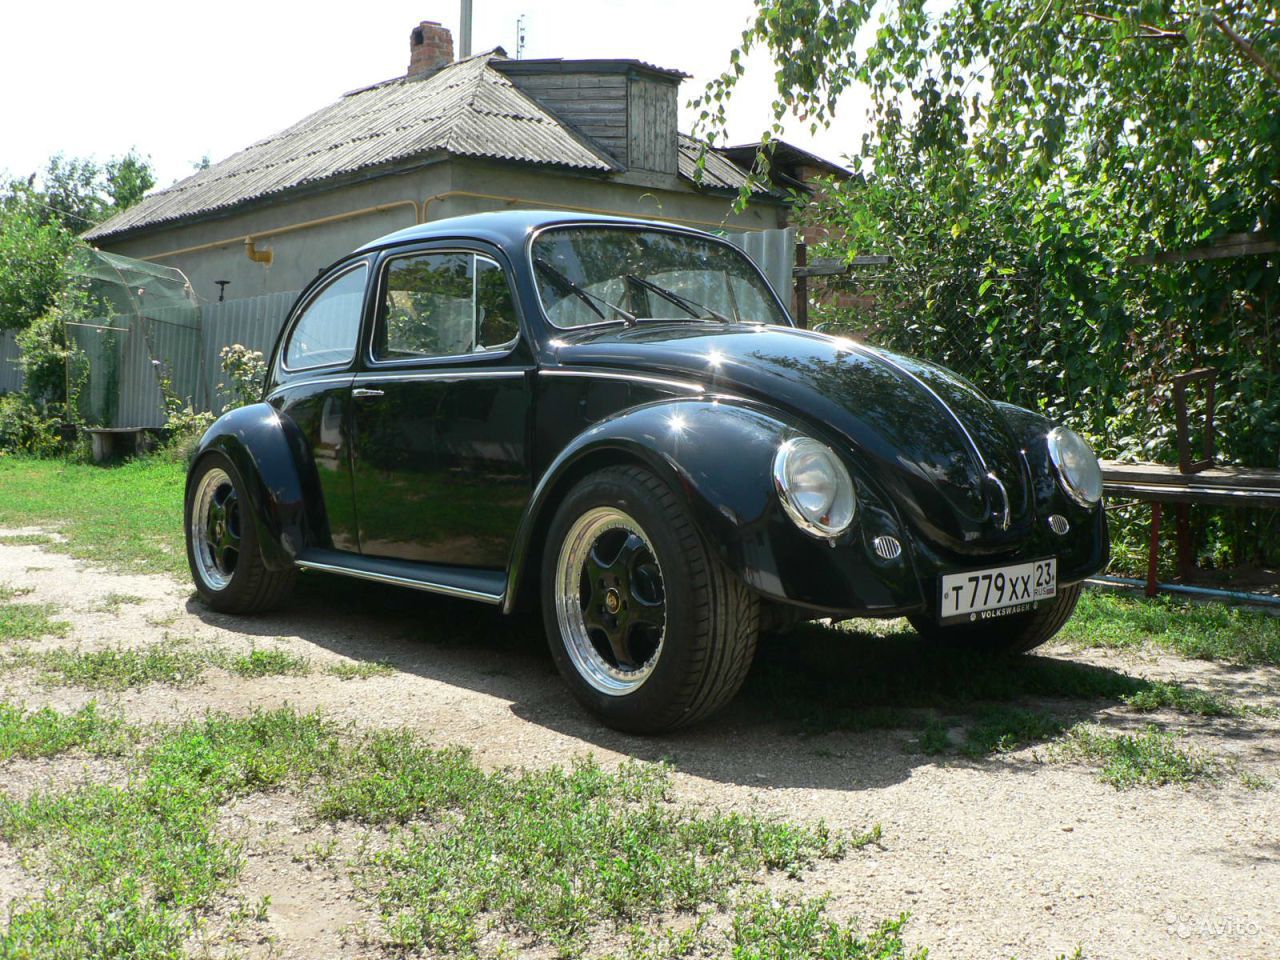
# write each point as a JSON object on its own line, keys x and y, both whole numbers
{"x": 468, "y": 109}
{"x": 718, "y": 172}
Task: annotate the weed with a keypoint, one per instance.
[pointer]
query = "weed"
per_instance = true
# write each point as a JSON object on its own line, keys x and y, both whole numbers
{"x": 1003, "y": 729}
{"x": 46, "y": 733}
{"x": 1150, "y": 758}
{"x": 1255, "y": 781}
{"x": 29, "y": 621}
{"x": 1159, "y": 694}
{"x": 362, "y": 670}
{"x": 170, "y": 662}
{"x": 1203, "y": 631}
{"x": 268, "y": 663}
{"x": 25, "y": 539}
{"x": 112, "y": 602}
{"x": 552, "y": 852}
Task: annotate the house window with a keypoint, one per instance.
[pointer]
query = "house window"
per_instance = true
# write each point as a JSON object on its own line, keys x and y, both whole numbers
{"x": 327, "y": 331}
{"x": 443, "y": 305}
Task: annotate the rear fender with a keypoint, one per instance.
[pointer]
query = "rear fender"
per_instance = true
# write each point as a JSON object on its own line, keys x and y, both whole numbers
{"x": 271, "y": 456}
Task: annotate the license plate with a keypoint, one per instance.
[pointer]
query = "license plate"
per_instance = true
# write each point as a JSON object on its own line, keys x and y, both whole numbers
{"x": 997, "y": 592}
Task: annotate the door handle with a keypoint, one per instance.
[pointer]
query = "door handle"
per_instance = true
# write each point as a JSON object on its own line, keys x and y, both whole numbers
{"x": 366, "y": 392}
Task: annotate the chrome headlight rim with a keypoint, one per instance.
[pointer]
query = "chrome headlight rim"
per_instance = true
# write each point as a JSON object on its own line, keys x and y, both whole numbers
{"x": 1058, "y": 439}
{"x": 845, "y": 496}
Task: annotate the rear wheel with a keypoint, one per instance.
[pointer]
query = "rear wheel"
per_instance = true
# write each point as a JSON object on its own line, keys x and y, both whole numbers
{"x": 222, "y": 543}
{"x": 1015, "y": 634}
{"x": 647, "y": 627}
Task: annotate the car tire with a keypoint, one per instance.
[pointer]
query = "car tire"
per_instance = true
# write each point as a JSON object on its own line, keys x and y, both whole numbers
{"x": 1019, "y": 633}
{"x": 623, "y": 555}
{"x": 222, "y": 542}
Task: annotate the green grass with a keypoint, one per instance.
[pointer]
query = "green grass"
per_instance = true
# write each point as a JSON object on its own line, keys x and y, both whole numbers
{"x": 1150, "y": 758}
{"x": 128, "y": 868}
{"x": 25, "y": 539}
{"x": 126, "y": 517}
{"x": 268, "y": 663}
{"x": 362, "y": 670}
{"x": 46, "y": 733}
{"x": 549, "y": 854}
{"x": 1202, "y": 631}
{"x": 127, "y": 871}
{"x": 171, "y": 662}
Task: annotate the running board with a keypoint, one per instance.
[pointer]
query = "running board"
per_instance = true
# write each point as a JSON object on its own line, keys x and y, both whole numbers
{"x": 487, "y": 586}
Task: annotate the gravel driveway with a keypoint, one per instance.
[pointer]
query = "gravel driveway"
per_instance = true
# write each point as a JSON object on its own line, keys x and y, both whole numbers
{"x": 1006, "y": 856}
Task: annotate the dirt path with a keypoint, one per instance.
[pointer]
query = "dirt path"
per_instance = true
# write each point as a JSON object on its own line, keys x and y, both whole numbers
{"x": 1010, "y": 856}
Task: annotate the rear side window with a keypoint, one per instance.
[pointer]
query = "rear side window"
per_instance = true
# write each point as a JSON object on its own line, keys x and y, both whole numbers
{"x": 326, "y": 333}
{"x": 443, "y": 305}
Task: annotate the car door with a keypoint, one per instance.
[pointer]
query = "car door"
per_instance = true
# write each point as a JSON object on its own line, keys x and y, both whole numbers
{"x": 441, "y": 411}
{"x": 311, "y": 386}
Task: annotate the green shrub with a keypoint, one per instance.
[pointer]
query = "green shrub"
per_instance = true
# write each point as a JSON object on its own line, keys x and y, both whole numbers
{"x": 25, "y": 430}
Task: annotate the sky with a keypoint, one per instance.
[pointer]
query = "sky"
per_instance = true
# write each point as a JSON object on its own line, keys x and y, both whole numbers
{"x": 179, "y": 81}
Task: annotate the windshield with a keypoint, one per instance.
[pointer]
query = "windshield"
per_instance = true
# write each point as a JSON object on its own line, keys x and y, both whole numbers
{"x": 591, "y": 275}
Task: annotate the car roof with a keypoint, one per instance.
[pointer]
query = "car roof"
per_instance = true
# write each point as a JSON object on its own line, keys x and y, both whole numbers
{"x": 505, "y": 228}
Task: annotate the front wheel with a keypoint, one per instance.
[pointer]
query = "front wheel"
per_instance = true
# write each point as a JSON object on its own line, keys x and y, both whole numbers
{"x": 647, "y": 627}
{"x": 222, "y": 542}
{"x": 1019, "y": 633}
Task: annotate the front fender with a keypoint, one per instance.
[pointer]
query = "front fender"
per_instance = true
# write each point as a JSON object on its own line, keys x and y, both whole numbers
{"x": 270, "y": 454}
{"x": 718, "y": 455}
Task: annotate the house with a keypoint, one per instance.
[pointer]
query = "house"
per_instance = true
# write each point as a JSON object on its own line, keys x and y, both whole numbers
{"x": 447, "y": 138}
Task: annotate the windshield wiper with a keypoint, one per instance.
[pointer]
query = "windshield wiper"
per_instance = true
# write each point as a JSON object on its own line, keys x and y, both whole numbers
{"x": 696, "y": 310}
{"x": 586, "y": 296}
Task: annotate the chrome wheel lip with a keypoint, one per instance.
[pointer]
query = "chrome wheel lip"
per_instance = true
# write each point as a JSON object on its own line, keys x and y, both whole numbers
{"x": 578, "y": 543}
{"x": 208, "y": 565}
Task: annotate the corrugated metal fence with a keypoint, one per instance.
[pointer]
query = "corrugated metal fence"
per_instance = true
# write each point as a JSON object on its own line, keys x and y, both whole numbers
{"x": 774, "y": 252}
{"x": 10, "y": 375}
{"x": 253, "y": 322}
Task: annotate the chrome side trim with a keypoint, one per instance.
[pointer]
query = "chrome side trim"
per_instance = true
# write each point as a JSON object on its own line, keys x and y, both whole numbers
{"x": 453, "y": 373}
{"x": 635, "y": 377}
{"x": 440, "y": 588}
{"x": 336, "y": 379}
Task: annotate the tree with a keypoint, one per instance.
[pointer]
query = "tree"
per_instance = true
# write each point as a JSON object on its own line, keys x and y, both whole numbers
{"x": 128, "y": 180}
{"x": 34, "y": 250}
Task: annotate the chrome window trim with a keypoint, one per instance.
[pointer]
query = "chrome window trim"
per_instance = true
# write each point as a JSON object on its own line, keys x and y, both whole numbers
{"x": 303, "y": 308}
{"x": 635, "y": 377}
{"x": 492, "y": 353}
{"x": 426, "y": 585}
{"x": 644, "y": 227}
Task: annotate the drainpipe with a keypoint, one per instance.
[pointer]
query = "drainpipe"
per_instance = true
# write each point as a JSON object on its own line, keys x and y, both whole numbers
{"x": 256, "y": 255}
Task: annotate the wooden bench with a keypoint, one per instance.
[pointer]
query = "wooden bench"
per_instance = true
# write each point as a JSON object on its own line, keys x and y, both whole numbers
{"x": 1191, "y": 481}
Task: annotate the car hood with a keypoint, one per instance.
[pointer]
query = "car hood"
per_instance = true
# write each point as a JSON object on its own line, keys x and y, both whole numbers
{"x": 927, "y": 438}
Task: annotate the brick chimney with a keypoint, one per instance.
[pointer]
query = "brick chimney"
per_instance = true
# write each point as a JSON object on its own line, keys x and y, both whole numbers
{"x": 430, "y": 48}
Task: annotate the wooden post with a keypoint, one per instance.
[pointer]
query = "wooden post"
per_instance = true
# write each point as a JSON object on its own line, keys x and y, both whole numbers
{"x": 801, "y": 293}
{"x": 1153, "y": 551}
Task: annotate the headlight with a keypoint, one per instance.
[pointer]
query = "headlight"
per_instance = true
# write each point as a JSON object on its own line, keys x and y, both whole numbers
{"x": 814, "y": 487}
{"x": 1077, "y": 467}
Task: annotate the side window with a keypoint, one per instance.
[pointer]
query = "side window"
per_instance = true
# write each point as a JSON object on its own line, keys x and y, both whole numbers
{"x": 329, "y": 327}
{"x": 443, "y": 305}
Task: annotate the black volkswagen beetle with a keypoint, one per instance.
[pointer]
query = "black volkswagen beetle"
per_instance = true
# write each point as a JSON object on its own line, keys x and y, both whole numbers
{"x": 620, "y": 419}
